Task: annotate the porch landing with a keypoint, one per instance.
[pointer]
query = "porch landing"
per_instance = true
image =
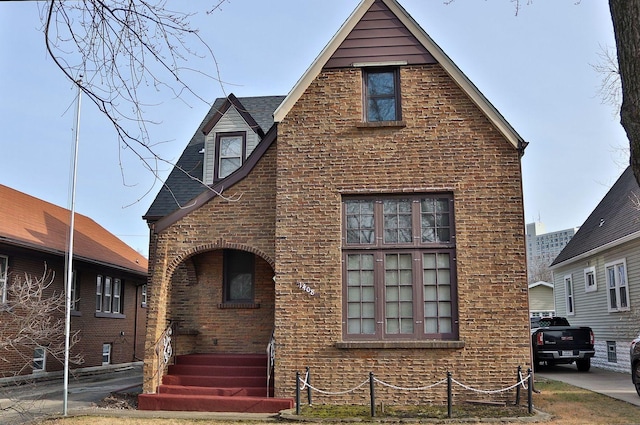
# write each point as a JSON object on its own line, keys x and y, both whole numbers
{"x": 216, "y": 383}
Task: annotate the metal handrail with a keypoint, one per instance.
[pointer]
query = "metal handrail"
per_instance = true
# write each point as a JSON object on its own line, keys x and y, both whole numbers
{"x": 271, "y": 356}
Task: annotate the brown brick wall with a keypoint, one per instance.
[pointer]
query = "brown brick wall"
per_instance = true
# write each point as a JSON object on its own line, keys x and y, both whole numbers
{"x": 94, "y": 331}
{"x": 447, "y": 145}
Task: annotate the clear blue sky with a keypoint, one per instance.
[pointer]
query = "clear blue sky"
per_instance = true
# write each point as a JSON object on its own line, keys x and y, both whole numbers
{"x": 534, "y": 67}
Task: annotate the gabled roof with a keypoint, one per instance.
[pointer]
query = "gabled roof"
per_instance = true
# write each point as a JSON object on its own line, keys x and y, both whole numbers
{"x": 540, "y": 283}
{"x": 615, "y": 220}
{"x": 231, "y": 100}
{"x": 32, "y": 223}
{"x": 181, "y": 188}
{"x": 463, "y": 82}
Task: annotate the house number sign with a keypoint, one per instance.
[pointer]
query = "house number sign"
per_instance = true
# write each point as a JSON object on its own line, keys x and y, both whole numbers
{"x": 306, "y": 288}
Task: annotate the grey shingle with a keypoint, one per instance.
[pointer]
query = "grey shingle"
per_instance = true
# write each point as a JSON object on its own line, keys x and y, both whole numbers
{"x": 615, "y": 217}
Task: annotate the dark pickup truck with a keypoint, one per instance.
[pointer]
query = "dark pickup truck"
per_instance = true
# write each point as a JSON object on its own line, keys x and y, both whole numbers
{"x": 555, "y": 341}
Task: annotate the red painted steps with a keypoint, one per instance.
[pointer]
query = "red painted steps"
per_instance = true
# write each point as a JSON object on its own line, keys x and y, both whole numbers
{"x": 216, "y": 383}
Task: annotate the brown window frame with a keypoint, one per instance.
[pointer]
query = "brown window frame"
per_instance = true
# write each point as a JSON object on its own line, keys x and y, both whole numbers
{"x": 366, "y": 72}
{"x": 229, "y": 269}
{"x": 373, "y": 274}
{"x": 217, "y": 159}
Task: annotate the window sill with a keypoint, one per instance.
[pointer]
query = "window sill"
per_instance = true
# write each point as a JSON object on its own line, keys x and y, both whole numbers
{"x": 76, "y": 313}
{"x": 110, "y": 315}
{"x": 401, "y": 344}
{"x": 382, "y": 124}
{"x": 238, "y": 305}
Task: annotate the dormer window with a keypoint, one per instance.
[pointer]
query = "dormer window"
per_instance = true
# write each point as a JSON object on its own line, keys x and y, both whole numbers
{"x": 382, "y": 94}
{"x": 231, "y": 150}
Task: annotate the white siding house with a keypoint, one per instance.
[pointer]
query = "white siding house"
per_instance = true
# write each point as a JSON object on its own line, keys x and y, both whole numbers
{"x": 597, "y": 275}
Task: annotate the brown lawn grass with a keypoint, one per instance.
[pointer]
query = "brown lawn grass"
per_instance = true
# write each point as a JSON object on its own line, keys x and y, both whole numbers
{"x": 568, "y": 405}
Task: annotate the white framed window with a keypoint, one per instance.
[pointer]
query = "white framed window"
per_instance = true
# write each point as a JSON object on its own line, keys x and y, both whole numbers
{"x": 106, "y": 295}
{"x": 617, "y": 286}
{"x": 75, "y": 299}
{"x": 109, "y": 295}
{"x": 143, "y": 296}
{"x": 231, "y": 149}
{"x": 39, "y": 359}
{"x": 106, "y": 354}
{"x": 117, "y": 287}
{"x": 4, "y": 265}
{"x": 568, "y": 294}
{"x": 590, "y": 283}
{"x": 99, "y": 293}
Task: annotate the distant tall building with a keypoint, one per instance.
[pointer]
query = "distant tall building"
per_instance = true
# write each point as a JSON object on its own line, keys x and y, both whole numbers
{"x": 543, "y": 248}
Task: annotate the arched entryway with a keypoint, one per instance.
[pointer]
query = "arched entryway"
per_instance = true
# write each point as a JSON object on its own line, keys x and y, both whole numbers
{"x": 222, "y": 301}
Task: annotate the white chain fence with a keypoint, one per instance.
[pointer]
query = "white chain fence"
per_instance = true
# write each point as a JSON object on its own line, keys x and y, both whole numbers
{"x": 524, "y": 382}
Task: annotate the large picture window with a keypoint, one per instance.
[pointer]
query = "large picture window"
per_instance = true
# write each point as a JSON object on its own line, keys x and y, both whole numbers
{"x": 399, "y": 275}
{"x": 617, "y": 287}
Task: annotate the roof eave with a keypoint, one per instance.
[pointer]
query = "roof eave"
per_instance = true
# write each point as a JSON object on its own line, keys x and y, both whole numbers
{"x": 57, "y": 252}
{"x": 630, "y": 237}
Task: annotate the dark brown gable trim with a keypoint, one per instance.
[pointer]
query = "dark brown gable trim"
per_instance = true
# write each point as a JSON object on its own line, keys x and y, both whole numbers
{"x": 379, "y": 37}
{"x": 221, "y": 185}
{"x": 232, "y": 100}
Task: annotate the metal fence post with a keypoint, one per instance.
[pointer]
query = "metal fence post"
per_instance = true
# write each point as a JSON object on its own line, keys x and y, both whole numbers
{"x": 308, "y": 380}
{"x": 518, "y": 380}
{"x": 297, "y": 393}
{"x": 530, "y": 391}
{"x": 449, "y": 396}
{"x": 373, "y": 395}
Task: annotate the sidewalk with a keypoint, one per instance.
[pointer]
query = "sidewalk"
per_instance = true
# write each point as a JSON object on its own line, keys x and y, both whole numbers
{"x": 614, "y": 384}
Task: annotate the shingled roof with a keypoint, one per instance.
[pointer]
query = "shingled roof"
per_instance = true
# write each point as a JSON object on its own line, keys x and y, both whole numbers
{"x": 615, "y": 219}
{"x": 180, "y": 187}
{"x": 32, "y": 223}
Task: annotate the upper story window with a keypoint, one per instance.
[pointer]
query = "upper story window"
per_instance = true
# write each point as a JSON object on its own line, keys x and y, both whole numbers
{"x": 4, "y": 263}
{"x": 231, "y": 149}
{"x": 399, "y": 274}
{"x": 108, "y": 295}
{"x": 617, "y": 287}
{"x": 568, "y": 295}
{"x": 382, "y": 94}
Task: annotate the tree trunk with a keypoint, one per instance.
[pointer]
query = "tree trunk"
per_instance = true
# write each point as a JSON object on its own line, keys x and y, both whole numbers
{"x": 625, "y": 15}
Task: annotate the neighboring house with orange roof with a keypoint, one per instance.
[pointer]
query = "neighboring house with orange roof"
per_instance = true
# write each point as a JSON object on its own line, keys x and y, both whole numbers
{"x": 108, "y": 291}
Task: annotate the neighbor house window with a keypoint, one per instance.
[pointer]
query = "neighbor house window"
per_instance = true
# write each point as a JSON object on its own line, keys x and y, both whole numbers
{"x": 568, "y": 291}
{"x": 75, "y": 298}
{"x": 106, "y": 354}
{"x": 39, "y": 359}
{"x": 109, "y": 295}
{"x": 231, "y": 150}
{"x": 4, "y": 263}
{"x": 590, "y": 284}
{"x": 143, "y": 296}
{"x": 617, "y": 287}
{"x": 382, "y": 97}
{"x": 239, "y": 275}
{"x": 399, "y": 278}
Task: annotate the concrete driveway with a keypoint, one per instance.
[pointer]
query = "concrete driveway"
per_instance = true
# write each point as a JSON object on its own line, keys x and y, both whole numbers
{"x": 614, "y": 384}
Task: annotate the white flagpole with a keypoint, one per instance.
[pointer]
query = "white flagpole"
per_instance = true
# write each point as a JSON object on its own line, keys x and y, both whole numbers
{"x": 69, "y": 274}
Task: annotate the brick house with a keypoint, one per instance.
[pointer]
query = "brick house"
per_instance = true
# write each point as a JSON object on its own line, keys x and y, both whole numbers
{"x": 371, "y": 221}
{"x": 108, "y": 288}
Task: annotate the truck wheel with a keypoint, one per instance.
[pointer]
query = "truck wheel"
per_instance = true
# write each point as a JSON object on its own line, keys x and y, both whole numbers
{"x": 583, "y": 365}
{"x": 636, "y": 376}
